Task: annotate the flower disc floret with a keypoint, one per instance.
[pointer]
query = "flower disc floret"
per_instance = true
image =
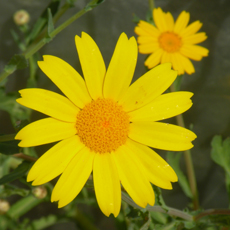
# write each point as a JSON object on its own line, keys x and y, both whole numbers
{"x": 102, "y": 125}
{"x": 170, "y": 42}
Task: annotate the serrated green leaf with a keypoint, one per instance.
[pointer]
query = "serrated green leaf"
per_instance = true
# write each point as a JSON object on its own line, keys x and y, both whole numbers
{"x": 20, "y": 171}
{"x": 174, "y": 162}
{"x": 18, "y": 61}
{"x": 221, "y": 152}
{"x": 50, "y": 28}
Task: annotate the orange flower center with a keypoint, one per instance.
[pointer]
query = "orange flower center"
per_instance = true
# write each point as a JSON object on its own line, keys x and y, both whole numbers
{"x": 102, "y": 125}
{"x": 170, "y": 42}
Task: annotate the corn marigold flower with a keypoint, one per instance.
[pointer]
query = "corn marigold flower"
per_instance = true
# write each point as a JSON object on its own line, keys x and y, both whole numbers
{"x": 171, "y": 42}
{"x": 105, "y": 125}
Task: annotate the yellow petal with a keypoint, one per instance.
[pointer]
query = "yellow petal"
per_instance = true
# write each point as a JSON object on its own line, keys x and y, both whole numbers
{"x": 148, "y": 87}
{"x": 194, "y": 52}
{"x": 66, "y": 78}
{"x": 177, "y": 65}
{"x": 194, "y": 38}
{"x": 73, "y": 178}
{"x": 133, "y": 177}
{"x": 148, "y": 48}
{"x": 154, "y": 59}
{"x": 170, "y": 21}
{"x": 187, "y": 64}
{"x": 161, "y": 135}
{"x": 146, "y": 39}
{"x": 163, "y": 107}
{"x": 149, "y": 29}
{"x": 191, "y": 29}
{"x": 160, "y": 19}
{"x": 92, "y": 64}
{"x": 53, "y": 162}
{"x": 107, "y": 184}
{"x": 121, "y": 68}
{"x": 45, "y": 131}
{"x": 158, "y": 170}
{"x": 140, "y": 31}
{"x": 181, "y": 22}
{"x": 166, "y": 57}
{"x": 49, "y": 103}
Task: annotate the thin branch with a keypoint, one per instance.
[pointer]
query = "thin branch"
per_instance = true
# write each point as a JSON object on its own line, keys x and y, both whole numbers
{"x": 24, "y": 157}
{"x": 212, "y": 212}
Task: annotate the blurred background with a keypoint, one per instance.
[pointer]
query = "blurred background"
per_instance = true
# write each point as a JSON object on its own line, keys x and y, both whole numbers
{"x": 210, "y": 113}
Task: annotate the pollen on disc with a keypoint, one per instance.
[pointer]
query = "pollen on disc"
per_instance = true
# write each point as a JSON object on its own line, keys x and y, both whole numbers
{"x": 102, "y": 125}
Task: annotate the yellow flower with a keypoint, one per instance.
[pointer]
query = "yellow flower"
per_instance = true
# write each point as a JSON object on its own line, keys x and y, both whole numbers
{"x": 171, "y": 42}
{"x": 104, "y": 125}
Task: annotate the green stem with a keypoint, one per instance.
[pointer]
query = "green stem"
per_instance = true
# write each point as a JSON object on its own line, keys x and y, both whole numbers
{"x": 9, "y": 137}
{"x": 33, "y": 48}
{"x": 23, "y": 206}
{"x": 151, "y": 5}
{"x": 189, "y": 163}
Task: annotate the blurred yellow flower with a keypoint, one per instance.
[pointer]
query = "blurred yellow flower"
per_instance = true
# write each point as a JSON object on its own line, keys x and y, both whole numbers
{"x": 104, "y": 125}
{"x": 171, "y": 42}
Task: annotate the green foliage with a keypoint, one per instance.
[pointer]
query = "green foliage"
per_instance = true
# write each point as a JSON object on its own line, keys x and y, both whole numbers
{"x": 17, "y": 173}
{"x": 18, "y": 61}
{"x": 221, "y": 155}
{"x": 50, "y": 23}
{"x": 9, "y": 147}
{"x": 8, "y": 104}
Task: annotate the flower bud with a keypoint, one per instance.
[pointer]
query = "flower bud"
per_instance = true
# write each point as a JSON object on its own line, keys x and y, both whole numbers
{"x": 21, "y": 17}
{"x": 4, "y": 206}
{"x": 40, "y": 192}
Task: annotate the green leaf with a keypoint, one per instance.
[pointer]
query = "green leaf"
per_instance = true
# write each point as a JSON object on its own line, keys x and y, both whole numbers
{"x": 42, "y": 20}
{"x": 221, "y": 153}
{"x": 18, "y": 61}
{"x": 93, "y": 4}
{"x": 9, "y": 147}
{"x": 159, "y": 217}
{"x": 50, "y": 23}
{"x": 136, "y": 19}
{"x": 174, "y": 162}
{"x": 20, "y": 171}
